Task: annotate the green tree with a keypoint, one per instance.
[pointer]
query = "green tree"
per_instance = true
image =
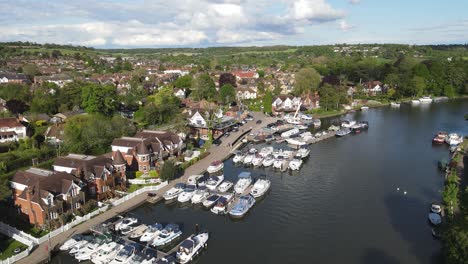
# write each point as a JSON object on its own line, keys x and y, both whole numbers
{"x": 417, "y": 86}
{"x": 183, "y": 82}
{"x": 70, "y": 96}
{"x": 168, "y": 171}
{"x": 329, "y": 98}
{"x": 97, "y": 98}
{"x": 227, "y": 94}
{"x": 455, "y": 245}
{"x": 31, "y": 70}
{"x": 261, "y": 73}
{"x": 203, "y": 87}
{"x": 307, "y": 81}
{"x": 449, "y": 90}
{"x": 45, "y": 99}
{"x": 267, "y": 102}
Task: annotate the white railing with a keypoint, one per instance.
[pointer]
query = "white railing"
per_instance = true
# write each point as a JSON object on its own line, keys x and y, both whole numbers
{"x": 144, "y": 181}
{"x": 18, "y": 236}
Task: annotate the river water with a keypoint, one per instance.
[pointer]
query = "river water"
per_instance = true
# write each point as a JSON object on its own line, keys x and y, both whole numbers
{"x": 343, "y": 206}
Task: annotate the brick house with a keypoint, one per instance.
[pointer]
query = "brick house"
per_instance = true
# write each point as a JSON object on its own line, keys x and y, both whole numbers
{"x": 43, "y": 196}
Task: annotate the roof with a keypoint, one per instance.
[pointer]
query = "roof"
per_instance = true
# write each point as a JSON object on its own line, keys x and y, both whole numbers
{"x": 142, "y": 149}
{"x": 88, "y": 165}
{"x": 13, "y": 76}
{"x": 244, "y": 74}
{"x": 10, "y": 122}
{"x": 8, "y": 133}
{"x": 118, "y": 158}
{"x": 129, "y": 142}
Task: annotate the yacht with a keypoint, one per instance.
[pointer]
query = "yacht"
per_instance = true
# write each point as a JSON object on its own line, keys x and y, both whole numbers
{"x": 242, "y": 206}
{"x": 415, "y": 102}
{"x": 174, "y": 191}
{"x": 243, "y": 182}
{"x": 79, "y": 246}
{"x": 138, "y": 258}
{"x": 296, "y": 141}
{"x": 348, "y": 123}
{"x": 317, "y": 122}
{"x": 106, "y": 253}
{"x": 166, "y": 260}
{"x": 425, "y": 100}
{"x": 301, "y": 127}
{"x": 128, "y": 229}
{"x": 394, "y": 104}
{"x": 221, "y": 205}
{"x": 124, "y": 255}
{"x": 138, "y": 232}
{"x": 268, "y": 161}
{"x": 167, "y": 235}
{"x": 295, "y": 164}
{"x": 150, "y": 257}
{"x": 71, "y": 242}
{"x": 200, "y": 195}
{"x": 440, "y": 137}
{"x": 191, "y": 247}
{"x": 334, "y": 128}
{"x": 214, "y": 181}
{"x": 303, "y": 152}
{"x": 215, "y": 166}
{"x": 343, "y": 132}
{"x": 92, "y": 247}
{"x": 239, "y": 157}
{"x": 150, "y": 233}
{"x": 257, "y": 160}
{"x": 260, "y": 187}
{"x": 266, "y": 151}
{"x": 225, "y": 186}
{"x": 125, "y": 222}
{"x": 364, "y": 108}
{"x": 248, "y": 159}
{"x": 453, "y": 139}
{"x": 434, "y": 218}
{"x": 187, "y": 194}
{"x": 211, "y": 200}
{"x": 193, "y": 179}
{"x": 306, "y": 136}
{"x": 290, "y": 133}
{"x": 435, "y": 208}
{"x": 280, "y": 162}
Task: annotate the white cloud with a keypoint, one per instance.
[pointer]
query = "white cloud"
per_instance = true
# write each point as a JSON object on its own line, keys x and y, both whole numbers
{"x": 230, "y": 37}
{"x": 313, "y": 10}
{"x": 354, "y": 2}
{"x": 344, "y": 26}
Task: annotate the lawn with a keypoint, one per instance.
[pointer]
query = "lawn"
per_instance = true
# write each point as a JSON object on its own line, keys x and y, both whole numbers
{"x": 7, "y": 247}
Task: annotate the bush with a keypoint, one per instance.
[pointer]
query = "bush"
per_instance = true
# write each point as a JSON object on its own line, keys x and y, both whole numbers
{"x": 89, "y": 206}
{"x": 138, "y": 174}
{"x": 153, "y": 174}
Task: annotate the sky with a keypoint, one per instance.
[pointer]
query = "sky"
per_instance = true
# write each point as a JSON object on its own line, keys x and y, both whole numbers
{"x": 206, "y": 23}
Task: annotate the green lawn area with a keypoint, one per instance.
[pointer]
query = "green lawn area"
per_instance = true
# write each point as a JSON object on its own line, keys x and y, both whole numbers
{"x": 318, "y": 113}
{"x": 7, "y": 246}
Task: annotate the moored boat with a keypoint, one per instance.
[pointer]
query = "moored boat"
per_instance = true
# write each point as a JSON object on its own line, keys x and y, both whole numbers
{"x": 191, "y": 247}
{"x": 211, "y": 200}
{"x": 200, "y": 195}
{"x": 239, "y": 157}
{"x": 434, "y": 218}
{"x": 348, "y": 123}
{"x": 170, "y": 233}
{"x": 290, "y": 133}
{"x": 124, "y": 255}
{"x": 268, "y": 161}
{"x": 266, "y": 151}
{"x": 225, "y": 186}
{"x": 343, "y": 132}
{"x": 150, "y": 233}
{"x": 260, "y": 187}
{"x": 213, "y": 182}
{"x": 303, "y": 152}
{"x": 436, "y": 208}
{"x": 187, "y": 194}
{"x": 395, "y": 104}
{"x": 453, "y": 139}
{"x": 425, "y": 100}
{"x": 257, "y": 160}
{"x": 440, "y": 137}
{"x": 221, "y": 205}
{"x": 295, "y": 164}
{"x": 71, "y": 242}
{"x": 125, "y": 222}
{"x": 415, "y": 102}
{"x": 317, "y": 122}
{"x": 242, "y": 206}
{"x": 215, "y": 166}
{"x": 106, "y": 253}
{"x": 138, "y": 232}
{"x": 243, "y": 182}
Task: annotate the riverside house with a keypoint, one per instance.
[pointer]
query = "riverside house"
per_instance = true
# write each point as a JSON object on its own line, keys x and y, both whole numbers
{"x": 42, "y": 196}
{"x": 11, "y": 129}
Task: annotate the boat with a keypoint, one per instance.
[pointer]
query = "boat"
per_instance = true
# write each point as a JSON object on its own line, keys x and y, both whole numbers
{"x": 440, "y": 137}
{"x": 253, "y": 150}
{"x": 150, "y": 233}
{"x": 415, "y": 102}
{"x": 268, "y": 161}
{"x": 453, "y": 139}
{"x": 200, "y": 195}
{"x": 128, "y": 229}
{"x": 166, "y": 260}
{"x": 124, "y": 255}
{"x": 92, "y": 247}
{"x": 364, "y": 108}
{"x": 106, "y": 253}
{"x": 303, "y": 152}
{"x": 211, "y": 200}
{"x": 243, "y": 182}
{"x": 193, "y": 179}
{"x": 301, "y": 126}
{"x": 435, "y": 208}
{"x": 138, "y": 232}
{"x": 317, "y": 122}
{"x": 363, "y": 124}
{"x": 191, "y": 247}
{"x": 79, "y": 246}
{"x": 170, "y": 233}
{"x": 296, "y": 141}
{"x": 334, "y": 128}
{"x": 295, "y": 164}
{"x": 434, "y": 218}
{"x": 305, "y": 116}
{"x": 343, "y": 132}
{"x": 239, "y": 157}
{"x": 279, "y": 163}
{"x": 215, "y": 166}
{"x": 248, "y": 159}
{"x": 394, "y": 104}
{"x": 266, "y": 151}
{"x": 307, "y": 136}
{"x": 213, "y": 182}
{"x": 71, "y": 242}
{"x": 174, "y": 191}
{"x": 220, "y": 206}
{"x": 425, "y": 100}
{"x": 290, "y": 133}
{"x": 225, "y": 186}
{"x": 348, "y": 123}
{"x": 147, "y": 256}
{"x": 187, "y": 194}
{"x": 269, "y": 138}
{"x": 356, "y": 128}
{"x": 242, "y": 206}
{"x": 261, "y": 186}
{"x": 257, "y": 160}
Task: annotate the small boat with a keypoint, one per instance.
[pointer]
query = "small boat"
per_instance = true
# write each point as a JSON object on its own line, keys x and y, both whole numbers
{"x": 193, "y": 179}
{"x": 106, "y": 253}
{"x": 221, "y": 205}
{"x": 213, "y": 182}
{"x": 248, "y": 159}
{"x": 317, "y": 123}
{"x": 261, "y": 186}
{"x": 305, "y": 117}
{"x": 425, "y": 100}
{"x": 394, "y": 104}
{"x": 434, "y": 218}
{"x": 138, "y": 232}
{"x": 296, "y": 141}
{"x": 200, "y": 195}
{"x": 174, "y": 191}
{"x": 166, "y": 260}
{"x": 266, "y": 151}
{"x": 290, "y": 133}
{"x": 279, "y": 163}
{"x": 225, "y": 186}
{"x": 440, "y": 137}
{"x": 301, "y": 127}
{"x": 239, "y": 157}
{"x": 187, "y": 194}
{"x": 92, "y": 247}
{"x": 363, "y": 124}
{"x": 303, "y": 152}
{"x": 211, "y": 200}
{"x": 356, "y": 128}
{"x": 71, "y": 242}
{"x": 150, "y": 233}
{"x": 348, "y": 123}
{"x": 257, "y": 160}
{"x": 436, "y": 234}
{"x": 334, "y": 128}
{"x": 343, "y": 132}
{"x": 268, "y": 161}
{"x": 415, "y": 102}
{"x": 242, "y": 206}
{"x": 147, "y": 256}
{"x": 269, "y": 138}
{"x": 364, "y": 108}
{"x": 128, "y": 229}
{"x": 170, "y": 233}
{"x": 124, "y": 255}
{"x": 453, "y": 139}
{"x": 243, "y": 182}
{"x": 295, "y": 164}
{"x": 79, "y": 246}
{"x": 191, "y": 247}
{"x": 435, "y": 208}
{"x": 215, "y": 166}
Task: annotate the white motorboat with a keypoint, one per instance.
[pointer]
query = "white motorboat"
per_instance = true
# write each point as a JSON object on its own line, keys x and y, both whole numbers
{"x": 290, "y": 133}
{"x": 268, "y": 161}
{"x": 187, "y": 194}
{"x": 415, "y": 102}
{"x": 193, "y": 179}
{"x": 435, "y": 208}
{"x": 305, "y": 116}
{"x": 124, "y": 255}
{"x": 220, "y": 206}
{"x": 364, "y": 108}
{"x": 303, "y": 152}
{"x": 297, "y": 141}
{"x": 239, "y": 157}
{"x": 453, "y": 139}
{"x": 174, "y": 191}
{"x": 106, "y": 253}
{"x": 434, "y": 218}
{"x": 348, "y": 123}
{"x": 288, "y": 154}
{"x": 129, "y": 229}
{"x": 425, "y": 100}
{"x": 301, "y": 127}
{"x": 71, "y": 242}
{"x": 394, "y": 104}
{"x": 214, "y": 181}
{"x": 260, "y": 187}
{"x": 215, "y": 166}
{"x": 125, "y": 222}
{"x": 150, "y": 233}
{"x": 253, "y": 150}
{"x": 225, "y": 186}
{"x": 170, "y": 233}
{"x": 317, "y": 123}
{"x": 200, "y": 195}
{"x": 266, "y": 151}
{"x": 295, "y": 164}
{"x": 334, "y": 128}
{"x": 243, "y": 182}
{"x": 242, "y": 206}
{"x": 248, "y": 159}
{"x": 257, "y": 160}
{"x": 211, "y": 200}
{"x": 343, "y": 132}
{"x": 306, "y": 136}
{"x": 78, "y": 246}
{"x": 191, "y": 247}
{"x": 92, "y": 247}
{"x": 138, "y": 232}
{"x": 280, "y": 162}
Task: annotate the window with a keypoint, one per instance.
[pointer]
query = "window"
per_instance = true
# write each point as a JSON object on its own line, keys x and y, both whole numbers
{"x": 77, "y": 205}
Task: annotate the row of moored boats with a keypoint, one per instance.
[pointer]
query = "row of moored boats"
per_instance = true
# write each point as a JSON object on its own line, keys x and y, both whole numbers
{"x": 270, "y": 157}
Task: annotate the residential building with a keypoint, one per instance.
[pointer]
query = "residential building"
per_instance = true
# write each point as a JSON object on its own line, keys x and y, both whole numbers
{"x": 180, "y": 93}
{"x": 373, "y": 87}
{"x": 7, "y": 77}
{"x": 245, "y": 94}
{"x": 11, "y": 129}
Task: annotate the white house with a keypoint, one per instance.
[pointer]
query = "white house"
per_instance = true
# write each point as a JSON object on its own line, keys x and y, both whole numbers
{"x": 11, "y": 129}
{"x": 246, "y": 93}
{"x": 180, "y": 93}
{"x": 197, "y": 120}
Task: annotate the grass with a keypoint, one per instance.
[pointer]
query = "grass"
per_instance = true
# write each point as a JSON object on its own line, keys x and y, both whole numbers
{"x": 7, "y": 247}
{"x": 319, "y": 113}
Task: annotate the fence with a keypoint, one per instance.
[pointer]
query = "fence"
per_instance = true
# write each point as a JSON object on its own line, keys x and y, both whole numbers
{"x": 31, "y": 241}
{"x": 144, "y": 181}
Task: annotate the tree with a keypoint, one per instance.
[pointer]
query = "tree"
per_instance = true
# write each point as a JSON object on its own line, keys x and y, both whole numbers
{"x": 203, "y": 87}
{"x": 127, "y": 66}
{"x": 227, "y": 94}
{"x": 70, "y": 96}
{"x": 39, "y": 139}
{"x": 449, "y": 90}
{"x": 455, "y": 245}
{"x": 16, "y": 106}
{"x": 307, "y": 81}
{"x": 329, "y": 98}
{"x": 168, "y": 171}
{"x": 261, "y": 87}
{"x": 31, "y": 70}
{"x": 183, "y": 82}
{"x": 227, "y": 78}
{"x": 15, "y": 91}
{"x": 267, "y": 102}
{"x": 417, "y": 86}
{"x": 45, "y": 99}
{"x": 97, "y": 98}
{"x": 261, "y": 73}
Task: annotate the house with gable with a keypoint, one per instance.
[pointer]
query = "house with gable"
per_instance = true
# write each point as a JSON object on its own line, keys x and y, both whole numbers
{"x": 11, "y": 129}
{"x": 373, "y": 87}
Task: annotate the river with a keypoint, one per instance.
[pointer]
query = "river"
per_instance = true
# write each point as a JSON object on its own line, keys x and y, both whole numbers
{"x": 343, "y": 206}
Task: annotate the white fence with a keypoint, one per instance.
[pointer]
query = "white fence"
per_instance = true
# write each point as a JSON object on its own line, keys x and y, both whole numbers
{"x": 144, "y": 181}
{"x": 31, "y": 241}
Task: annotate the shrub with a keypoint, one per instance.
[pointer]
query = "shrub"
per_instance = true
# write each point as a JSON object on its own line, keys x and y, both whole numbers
{"x": 153, "y": 174}
{"x": 138, "y": 174}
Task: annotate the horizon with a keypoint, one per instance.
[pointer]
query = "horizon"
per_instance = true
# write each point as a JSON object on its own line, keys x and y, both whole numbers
{"x": 125, "y": 24}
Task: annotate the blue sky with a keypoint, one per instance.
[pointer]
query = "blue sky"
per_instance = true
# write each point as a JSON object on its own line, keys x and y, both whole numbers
{"x": 201, "y": 23}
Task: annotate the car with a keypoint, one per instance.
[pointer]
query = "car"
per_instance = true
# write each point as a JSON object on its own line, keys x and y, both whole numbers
{"x": 249, "y": 118}
{"x": 217, "y": 142}
{"x": 243, "y": 122}
{"x": 258, "y": 122}
{"x": 235, "y": 129}
{"x": 227, "y": 134}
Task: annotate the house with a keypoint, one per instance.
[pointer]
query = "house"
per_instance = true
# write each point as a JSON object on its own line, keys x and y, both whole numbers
{"x": 55, "y": 134}
{"x": 373, "y": 87}
{"x": 180, "y": 93}
{"x": 245, "y": 94}
{"x": 285, "y": 103}
{"x": 311, "y": 101}
{"x": 240, "y": 75}
{"x": 101, "y": 174}
{"x": 6, "y": 77}
{"x": 197, "y": 120}
{"x": 59, "y": 79}
{"x": 11, "y": 129}
{"x": 43, "y": 196}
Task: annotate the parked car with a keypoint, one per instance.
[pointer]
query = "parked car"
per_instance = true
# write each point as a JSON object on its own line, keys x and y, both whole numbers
{"x": 227, "y": 134}
{"x": 249, "y": 118}
{"x": 217, "y": 142}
